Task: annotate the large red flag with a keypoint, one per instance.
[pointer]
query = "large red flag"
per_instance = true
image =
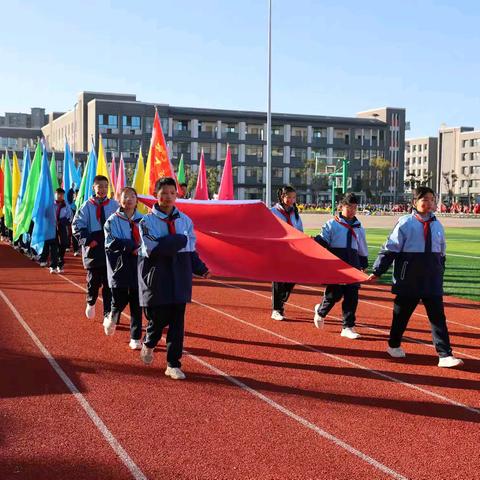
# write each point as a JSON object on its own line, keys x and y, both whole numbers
{"x": 243, "y": 239}
{"x": 226, "y": 184}
{"x": 160, "y": 165}
{"x": 201, "y": 190}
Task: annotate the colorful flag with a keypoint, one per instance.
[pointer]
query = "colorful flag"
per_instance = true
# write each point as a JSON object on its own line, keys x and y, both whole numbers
{"x": 16, "y": 181}
{"x": 7, "y": 193}
{"x": 102, "y": 167}
{"x": 113, "y": 172}
{"x": 23, "y": 184}
{"x": 43, "y": 214}
{"x": 24, "y": 217}
{"x": 89, "y": 172}
{"x": 121, "y": 180}
{"x": 53, "y": 172}
{"x": 226, "y": 184}
{"x": 181, "y": 171}
{"x": 201, "y": 190}
{"x": 2, "y": 162}
{"x": 139, "y": 175}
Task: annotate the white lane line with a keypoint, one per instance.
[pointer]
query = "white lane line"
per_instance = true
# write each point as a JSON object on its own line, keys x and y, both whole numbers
{"x": 303, "y": 421}
{"x": 343, "y": 360}
{"x": 97, "y": 421}
{"x": 385, "y": 332}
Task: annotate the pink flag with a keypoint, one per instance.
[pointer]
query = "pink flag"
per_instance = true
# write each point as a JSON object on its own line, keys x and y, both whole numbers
{"x": 201, "y": 190}
{"x": 121, "y": 176}
{"x": 113, "y": 172}
{"x": 226, "y": 185}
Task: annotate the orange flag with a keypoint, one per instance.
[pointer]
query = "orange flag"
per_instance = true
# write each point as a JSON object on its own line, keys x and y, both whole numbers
{"x": 160, "y": 165}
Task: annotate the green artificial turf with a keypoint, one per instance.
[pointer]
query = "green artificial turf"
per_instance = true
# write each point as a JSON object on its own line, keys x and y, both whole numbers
{"x": 462, "y": 276}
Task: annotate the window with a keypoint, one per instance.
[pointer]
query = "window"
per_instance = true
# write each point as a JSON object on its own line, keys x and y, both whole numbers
{"x": 299, "y": 132}
{"x": 131, "y": 145}
{"x": 298, "y": 153}
{"x": 277, "y": 172}
{"x": 342, "y": 134}
{"x": 208, "y": 149}
{"x": 340, "y": 154}
{"x": 277, "y": 151}
{"x": 148, "y": 124}
{"x": 254, "y": 151}
{"x": 130, "y": 121}
{"x": 255, "y": 173}
{"x": 420, "y": 148}
{"x": 181, "y": 147}
{"x": 320, "y": 132}
{"x": 277, "y": 130}
{"x": 181, "y": 125}
{"x": 110, "y": 144}
{"x": 464, "y": 156}
{"x": 358, "y": 135}
{"x": 414, "y": 148}
{"x": 233, "y": 150}
{"x": 465, "y": 144}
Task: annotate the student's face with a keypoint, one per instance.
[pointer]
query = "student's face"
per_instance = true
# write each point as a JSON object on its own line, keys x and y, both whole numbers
{"x": 349, "y": 211}
{"x": 100, "y": 189}
{"x": 425, "y": 204}
{"x": 184, "y": 190}
{"x": 289, "y": 199}
{"x": 59, "y": 197}
{"x": 128, "y": 200}
{"x": 167, "y": 196}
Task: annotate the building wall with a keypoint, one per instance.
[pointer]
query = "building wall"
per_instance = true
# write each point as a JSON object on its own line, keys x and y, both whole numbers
{"x": 421, "y": 160}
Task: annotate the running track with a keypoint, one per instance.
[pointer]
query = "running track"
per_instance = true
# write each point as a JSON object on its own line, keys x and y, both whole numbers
{"x": 263, "y": 399}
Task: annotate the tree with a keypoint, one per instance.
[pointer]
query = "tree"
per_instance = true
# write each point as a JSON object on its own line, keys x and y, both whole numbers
{"x": 379, "y": 167}
{"x": 450, "y": 178}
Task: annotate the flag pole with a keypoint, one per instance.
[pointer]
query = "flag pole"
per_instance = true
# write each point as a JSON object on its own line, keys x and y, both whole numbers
{"x": 268, "y": 178}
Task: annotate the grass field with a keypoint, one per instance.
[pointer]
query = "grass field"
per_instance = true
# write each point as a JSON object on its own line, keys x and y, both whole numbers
{"x": 462, "y": 276}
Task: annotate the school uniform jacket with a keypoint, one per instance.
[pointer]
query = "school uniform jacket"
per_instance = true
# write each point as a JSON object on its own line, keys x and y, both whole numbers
{"x": 287, "y": 216}
{"x": 122, "y": 237}
{"x": 87, "y": 227}
{"x": 419, "y": 261}
{"x": 64, "y": 216}
{"x": 167, "y": 258}
{"x": 345, "y": 240}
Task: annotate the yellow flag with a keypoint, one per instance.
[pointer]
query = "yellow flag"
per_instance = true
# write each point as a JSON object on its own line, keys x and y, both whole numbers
{"x": 16, "y": 181}
{"x": 138, "y": 180}
{"x": 102, "y": 167}
{"x": 146, "y": 180}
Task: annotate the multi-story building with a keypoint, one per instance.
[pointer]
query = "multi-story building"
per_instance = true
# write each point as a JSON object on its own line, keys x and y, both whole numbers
{"x": 458, "y": 164}
{"x": 19, "y": 130}
{"x": 304, "y": 147}
{"x": 420, "y": 162}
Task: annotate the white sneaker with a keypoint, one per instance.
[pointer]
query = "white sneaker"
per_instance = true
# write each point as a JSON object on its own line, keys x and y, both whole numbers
{"x": 175, "y": 373}
{"x": 350, "y": 332}
{"x": 449, "y": 362}
{"x": 146, "y": 355}
{"x": 43, "y": 264}
{"x": 75, "y": 254}
{"x": 398, "y": 352}
{"x": 317, "y": 319}
{"x": 90, "y": 311}
{"x": 60, "y": 270}
{"x": 135, "y": 344}
{"x": 276, "y": 315}
{"x": 109, "y": 325}
{"x": 52, "y": 270}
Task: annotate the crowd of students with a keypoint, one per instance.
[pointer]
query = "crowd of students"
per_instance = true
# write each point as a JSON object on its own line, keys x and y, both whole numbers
{"x": 147, "y": 262}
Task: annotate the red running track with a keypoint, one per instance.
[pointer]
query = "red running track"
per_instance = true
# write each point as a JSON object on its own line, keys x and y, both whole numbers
{"x": 263, "y": 399}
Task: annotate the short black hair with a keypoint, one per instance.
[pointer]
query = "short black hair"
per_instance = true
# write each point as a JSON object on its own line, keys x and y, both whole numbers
{"x": 163, "y": 182}
{"x": 420, "y": 192}
{"x": 60, "y": 190}
{"x": 349, "y": 199}
{"x": 100, "y": 178}
{"x": 184, "y": 185}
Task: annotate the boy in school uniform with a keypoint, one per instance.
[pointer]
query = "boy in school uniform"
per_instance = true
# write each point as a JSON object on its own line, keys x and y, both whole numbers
{"x": 64, "y": 216}
{"x": 345, "y": 237}
{"x": 167, "y": 259}
{"x": 122, "y": 240}
{"x": 417, "y": 249}
{"x": 88, "y": 226}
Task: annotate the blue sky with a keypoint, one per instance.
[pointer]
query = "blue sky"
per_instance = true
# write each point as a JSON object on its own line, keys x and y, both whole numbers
{"x": 329, "y": 57}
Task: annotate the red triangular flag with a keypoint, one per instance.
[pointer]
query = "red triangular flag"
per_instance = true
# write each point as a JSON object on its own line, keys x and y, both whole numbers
{"x": 121, "y": 183}
{"x": 226, "y": 184}
{"x": 201, "y": 190}
{"x": 113, "y": 171}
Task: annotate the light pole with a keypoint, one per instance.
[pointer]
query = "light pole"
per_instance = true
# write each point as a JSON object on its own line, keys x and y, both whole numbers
{"x": 74, "y": 129}
{"x": 268, "y": 177}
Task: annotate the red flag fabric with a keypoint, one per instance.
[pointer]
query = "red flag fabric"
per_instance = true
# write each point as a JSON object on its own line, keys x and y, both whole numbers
{"x": 121, "y": 183}
{"x": 160, "y": 165}
{"x": 226, "y": 184}
{"x": 243, "y": 239}
{"x": 113, "y": 172}
{"x": 201, "y": 190}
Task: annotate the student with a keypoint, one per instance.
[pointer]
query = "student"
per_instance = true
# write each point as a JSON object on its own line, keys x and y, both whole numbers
{"x": 50, "y": 252}
{"x": 345, "y": 237}
{"x": 64, "y": 216}
{"x": 183, "y": 189}
{"x": 285, "y": 209}
{"x": 88, "y": 226}
{"x": 122, "y": 240}
{"x": 71, "y": 198}
{"x": 167, "y": 259}
{"x": 416, "y": 246}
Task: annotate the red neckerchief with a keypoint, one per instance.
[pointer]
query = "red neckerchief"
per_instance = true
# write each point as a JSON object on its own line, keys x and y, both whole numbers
{"x": 347, "y": 226}
{"x": 99, "y": 206}
{"x": 287, "y": 216}
{"x": 59, "y": 205}
{"x": 133, "y": 227}
{"x": 426, "y": 224}
{"x": 170, "y": 221}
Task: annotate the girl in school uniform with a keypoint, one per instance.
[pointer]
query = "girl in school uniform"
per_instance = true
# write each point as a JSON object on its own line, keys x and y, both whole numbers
{"x": 345, "y": 237}
{"x": 416, "y": 247}
{"x": 122, "y": 240}
{"x": 286, "y": 210}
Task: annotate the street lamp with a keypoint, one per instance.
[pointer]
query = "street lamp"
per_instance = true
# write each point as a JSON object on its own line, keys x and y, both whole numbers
{"x": 268, "y": 177}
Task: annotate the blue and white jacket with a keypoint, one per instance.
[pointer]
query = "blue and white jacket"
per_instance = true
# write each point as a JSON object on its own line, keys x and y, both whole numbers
{"x": 122, "y": 264}
{"x": 418, "y": 268}
{"x": 86, "y": 228}
{"x": 167, "y": 260}
{"x": 280, "y": 212}
{"x": 346, "y": 240}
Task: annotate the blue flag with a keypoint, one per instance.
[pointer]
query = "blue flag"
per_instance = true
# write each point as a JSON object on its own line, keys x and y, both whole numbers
{"x": 67, "y": 177}
{"x": 43, "y": 215}
{"x": 23, "y": 183}
{"x": 75, "y": 174}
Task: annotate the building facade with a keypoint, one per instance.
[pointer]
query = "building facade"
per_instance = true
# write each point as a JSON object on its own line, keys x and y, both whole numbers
{"x": 20, "y": 130}
{"x": 420, "y": 162}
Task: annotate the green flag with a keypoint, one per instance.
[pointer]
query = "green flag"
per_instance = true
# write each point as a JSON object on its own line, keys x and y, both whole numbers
{"x": 53, "y": 172}
{"x": 82, "y": 195}
{"x": 24, "y": 217}
{"x": 7, "y": 192}
{"x": 181, "y": 171}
